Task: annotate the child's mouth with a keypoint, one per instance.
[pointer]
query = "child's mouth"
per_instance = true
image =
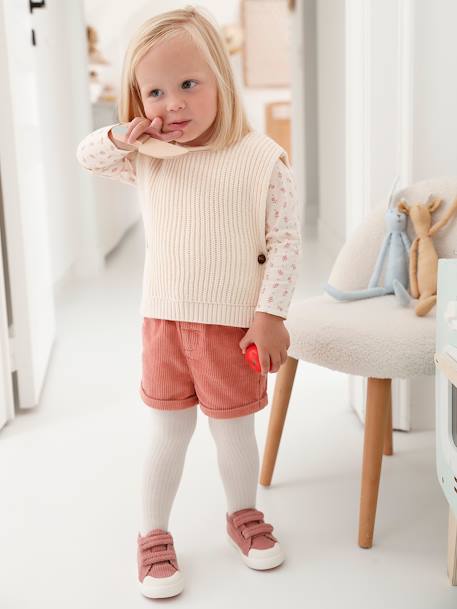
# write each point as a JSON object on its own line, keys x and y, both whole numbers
{"x": 180, "y": 125}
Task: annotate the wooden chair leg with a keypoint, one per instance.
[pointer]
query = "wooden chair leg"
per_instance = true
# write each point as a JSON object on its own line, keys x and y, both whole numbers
{"x": 388, "y": 438}
{"x": 452, "y": 549}
{"x": 378, "y": 392}
{"x": 281, "y": 397}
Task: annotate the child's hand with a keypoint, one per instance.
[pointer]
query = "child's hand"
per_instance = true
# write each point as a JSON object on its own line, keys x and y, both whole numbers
{"x": 271, "y": 338}
{"x": 139, "y": 126}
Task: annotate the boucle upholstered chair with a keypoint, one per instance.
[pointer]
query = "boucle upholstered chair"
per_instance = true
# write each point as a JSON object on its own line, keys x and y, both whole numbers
{"x": 376, "y": 338}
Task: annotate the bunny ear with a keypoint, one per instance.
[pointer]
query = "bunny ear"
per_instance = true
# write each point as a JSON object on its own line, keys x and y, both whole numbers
{"x": 392, "y": 191}
{"x": 433, "y": 203}
{"x": 403, "y": 206}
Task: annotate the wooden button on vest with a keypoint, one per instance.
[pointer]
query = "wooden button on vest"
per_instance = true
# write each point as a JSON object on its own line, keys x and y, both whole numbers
{"x": 261, "y": 258}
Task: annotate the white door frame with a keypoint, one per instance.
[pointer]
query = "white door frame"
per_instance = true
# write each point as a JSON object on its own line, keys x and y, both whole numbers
{"x": 6, "y": 359}
{"x": 24, "y": 205}
{"x": 6, "y": 363}
{"x": 368, "y": 25}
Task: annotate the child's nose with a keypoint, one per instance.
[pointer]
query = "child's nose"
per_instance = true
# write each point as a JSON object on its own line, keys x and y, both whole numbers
{"x": 175, "y": 104}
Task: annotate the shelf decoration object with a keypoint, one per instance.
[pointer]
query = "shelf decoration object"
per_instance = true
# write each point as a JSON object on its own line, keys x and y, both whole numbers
{"x": 266, "y": 43}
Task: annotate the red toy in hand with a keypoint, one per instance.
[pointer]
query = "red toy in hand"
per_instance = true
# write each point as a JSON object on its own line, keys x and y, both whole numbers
{"x": 252, "y": 357}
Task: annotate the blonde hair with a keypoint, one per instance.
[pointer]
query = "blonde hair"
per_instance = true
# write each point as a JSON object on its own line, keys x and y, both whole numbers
{"x": 231, "y": 123}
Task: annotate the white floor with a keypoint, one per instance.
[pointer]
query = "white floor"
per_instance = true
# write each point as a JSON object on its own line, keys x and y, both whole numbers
{"x": 69, "y": 480}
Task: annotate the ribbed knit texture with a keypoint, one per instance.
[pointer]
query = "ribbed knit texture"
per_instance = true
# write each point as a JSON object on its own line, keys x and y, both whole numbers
{"x": 168, "y": 434}
{"x": 204, "y": 219}
{"x": 99, "y": 155}
{"x": 238, "y": 460}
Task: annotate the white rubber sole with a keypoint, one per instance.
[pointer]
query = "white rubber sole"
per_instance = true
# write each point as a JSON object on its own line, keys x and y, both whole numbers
{"x": 162, "y": 587}
{"x": 261, "y": 559}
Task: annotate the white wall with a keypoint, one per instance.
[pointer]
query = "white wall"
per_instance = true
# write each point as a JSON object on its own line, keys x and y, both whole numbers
{"x": 428, "y": 141}
{"x": 304, "y": 109}
{"x": 435, "y": 89}
{"x": 61, "y": 60}
{"x": 331, "y": 122}
{"x": 384, "y": 100}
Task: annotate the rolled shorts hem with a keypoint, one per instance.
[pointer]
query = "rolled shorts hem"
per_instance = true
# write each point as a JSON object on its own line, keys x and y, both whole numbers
{"x": 215, "y": 413}
{"x": 168, "y": 404}
{"x": 239, "y": 411}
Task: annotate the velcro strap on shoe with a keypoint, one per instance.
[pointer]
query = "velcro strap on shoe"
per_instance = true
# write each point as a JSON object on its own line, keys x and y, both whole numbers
{"x": 156, "y": 540}
{"x": 258, "y": 529}
{"x": 152, "y": 559}
{"x": 250, "y": 516}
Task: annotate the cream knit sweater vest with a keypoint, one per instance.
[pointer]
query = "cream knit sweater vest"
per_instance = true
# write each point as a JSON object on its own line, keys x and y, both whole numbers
{"x": 204, "y": 221}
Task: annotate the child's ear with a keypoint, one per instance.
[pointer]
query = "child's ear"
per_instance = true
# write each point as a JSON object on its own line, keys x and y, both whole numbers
{"x": 433, "y": 204}
{"x": 403, "y": 206}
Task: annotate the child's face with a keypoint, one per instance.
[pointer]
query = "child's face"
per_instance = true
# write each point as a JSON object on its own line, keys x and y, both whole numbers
{"x": 177, "y": 84}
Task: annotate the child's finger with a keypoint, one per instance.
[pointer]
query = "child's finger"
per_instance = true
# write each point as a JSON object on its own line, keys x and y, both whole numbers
{"x": 132, "y": 125}
{"x": 171, "y": 136}
{"x": 135, "y": 133}
{"x": 264, "y": 360}
{"x": 155, "y": 128}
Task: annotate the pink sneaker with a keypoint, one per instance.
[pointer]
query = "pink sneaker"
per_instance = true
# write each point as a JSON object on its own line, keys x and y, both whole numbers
{"x": 158, "y": 572}
{"x": 253, "y": 539}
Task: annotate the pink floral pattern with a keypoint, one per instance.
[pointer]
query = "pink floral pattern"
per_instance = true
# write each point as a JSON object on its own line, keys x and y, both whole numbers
{"x": 98, "y": 154}
{"x": 283, "y": 237}
{"x": 101, "y": 156}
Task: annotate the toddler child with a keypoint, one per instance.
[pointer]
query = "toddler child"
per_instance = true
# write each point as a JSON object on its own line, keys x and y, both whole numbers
{"x": 218, "y": 202}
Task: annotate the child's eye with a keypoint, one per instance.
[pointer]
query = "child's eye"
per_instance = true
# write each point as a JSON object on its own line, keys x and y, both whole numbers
{"x": 186, "y": 81}
{"x": 152, "y": 93}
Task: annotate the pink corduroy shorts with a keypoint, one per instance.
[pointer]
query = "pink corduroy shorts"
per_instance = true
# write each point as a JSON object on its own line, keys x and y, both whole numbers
{"x": 188, "y": 363}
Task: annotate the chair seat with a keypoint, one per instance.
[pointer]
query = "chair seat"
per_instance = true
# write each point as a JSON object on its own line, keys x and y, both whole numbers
{"x": 375, "y": 337}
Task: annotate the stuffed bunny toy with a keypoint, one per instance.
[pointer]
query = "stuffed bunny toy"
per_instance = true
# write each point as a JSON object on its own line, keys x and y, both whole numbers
{"x": 423, "y": 261}
{"x": 395, "y": 246}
